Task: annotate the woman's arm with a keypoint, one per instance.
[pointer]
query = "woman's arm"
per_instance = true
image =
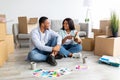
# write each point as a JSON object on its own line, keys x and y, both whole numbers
{"x": 67, "y": 37}
{"x": 78, "y": 40}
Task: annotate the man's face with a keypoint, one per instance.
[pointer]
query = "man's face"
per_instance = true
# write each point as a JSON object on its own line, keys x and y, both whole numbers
{"x": 46, "y": 24}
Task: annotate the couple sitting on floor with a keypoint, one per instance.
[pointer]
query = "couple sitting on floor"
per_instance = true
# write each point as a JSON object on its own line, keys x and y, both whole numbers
{"x": 47, "y": 45}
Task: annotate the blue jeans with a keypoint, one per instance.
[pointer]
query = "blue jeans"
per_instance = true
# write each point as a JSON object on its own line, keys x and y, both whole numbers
{"x": 39, "y": 55}
{"x": 70, "y": 48}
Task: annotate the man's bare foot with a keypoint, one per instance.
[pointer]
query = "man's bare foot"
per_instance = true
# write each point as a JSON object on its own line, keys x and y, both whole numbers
{"x": 52, "y": 54}
{"x": 55, "y": 53}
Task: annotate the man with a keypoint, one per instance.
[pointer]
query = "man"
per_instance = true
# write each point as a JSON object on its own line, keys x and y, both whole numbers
{"x": 45, "y": 43}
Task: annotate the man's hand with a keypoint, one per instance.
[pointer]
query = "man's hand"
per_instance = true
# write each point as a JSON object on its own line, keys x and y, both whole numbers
{"x": 56, "y": 48}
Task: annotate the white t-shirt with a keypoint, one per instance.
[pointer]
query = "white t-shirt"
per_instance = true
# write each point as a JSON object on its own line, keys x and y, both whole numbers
{"x": 42, "y": 38}
{"x": 68, "y": 41}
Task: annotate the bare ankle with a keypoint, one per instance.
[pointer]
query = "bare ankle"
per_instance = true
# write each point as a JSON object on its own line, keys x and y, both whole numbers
{"x": 70, "y": 55}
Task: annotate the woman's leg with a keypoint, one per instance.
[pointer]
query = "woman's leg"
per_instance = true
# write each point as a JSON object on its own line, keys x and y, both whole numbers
{"x": 37, "y": 55}
{"x": 64, "y": 51}
{"x": 75, "y": 48}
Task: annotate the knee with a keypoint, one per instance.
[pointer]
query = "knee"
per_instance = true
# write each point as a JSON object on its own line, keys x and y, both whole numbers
{"x": 79, "y": 47}
{"x": 54, "y": 39}
{"x": 31, "y": 55}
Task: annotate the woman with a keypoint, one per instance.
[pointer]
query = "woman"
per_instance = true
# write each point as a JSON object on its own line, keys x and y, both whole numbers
{"x": 71, "y": 43}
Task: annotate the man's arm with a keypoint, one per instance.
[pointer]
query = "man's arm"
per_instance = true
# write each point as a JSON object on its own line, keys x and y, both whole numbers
{"x": 38, "y": 44}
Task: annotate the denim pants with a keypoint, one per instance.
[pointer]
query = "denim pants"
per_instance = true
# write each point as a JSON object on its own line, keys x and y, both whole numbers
{"x": 70, "y": 48}
{"x": 39, "y": 55}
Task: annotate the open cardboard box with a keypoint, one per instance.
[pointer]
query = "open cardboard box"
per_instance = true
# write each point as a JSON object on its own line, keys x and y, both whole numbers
{"x": 104, "y": 29}
{"x": 26, "y": 25}
{"x": 107, "y": 46}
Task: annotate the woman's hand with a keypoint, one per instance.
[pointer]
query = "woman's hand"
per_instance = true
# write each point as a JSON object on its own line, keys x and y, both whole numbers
{"x": 69, "y": 37}
{"x": 78, "y": 40}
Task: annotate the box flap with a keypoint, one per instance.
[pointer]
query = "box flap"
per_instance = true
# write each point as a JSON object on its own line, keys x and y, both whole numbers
{"x": 32, "y": 20}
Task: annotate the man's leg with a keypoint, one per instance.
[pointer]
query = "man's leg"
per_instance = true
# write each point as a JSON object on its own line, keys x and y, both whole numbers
{"x": 36, "y": 55}
{"x": 53, "y": 42}
{"x": 51, "y": 57}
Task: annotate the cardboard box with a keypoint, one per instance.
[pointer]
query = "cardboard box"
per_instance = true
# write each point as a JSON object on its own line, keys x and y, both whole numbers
{"x": 104, "y": 24}
{"x": 107, "y": 46}
{"x": 10, "y": 44}
{"x": 2, "y": 31}
{"x": 88, "y": 44}
{"x": 25, "y": 25}
{"x": 119, "y": 31}
{"x": 104, "y": 28}
{"x": 22, "y": 24}
{"x": 2, "y": 18}
{"x": 98, "y": 32}
{"x": 3, "y": 53}
{"x": 32, "y": 20}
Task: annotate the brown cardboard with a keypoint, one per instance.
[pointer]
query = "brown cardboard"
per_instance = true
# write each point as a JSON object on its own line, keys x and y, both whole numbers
{"x": 32, "y": 20}
{"x": 2, "y": 18}
{"x": 22, "y": 24}
{"x": 107, "y": 46}
{"x": 2, "y": 31}
{"x": 26, "y": 26}
{"x": 3, "y": 53}
{"x": 98, "y": 32}
{"x": 88, "y": 44}
{"x": 119, "y": 30}
{"x": 10, "y": 44}
{"x": 104, "y": 24}
{"x": 104, "y": 28}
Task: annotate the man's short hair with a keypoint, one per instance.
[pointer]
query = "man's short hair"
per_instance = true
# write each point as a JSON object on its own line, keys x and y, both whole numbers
{"x": 42, "y": 19}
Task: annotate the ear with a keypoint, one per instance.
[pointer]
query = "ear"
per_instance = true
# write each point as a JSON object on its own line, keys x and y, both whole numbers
{"x": 42, "y": 24}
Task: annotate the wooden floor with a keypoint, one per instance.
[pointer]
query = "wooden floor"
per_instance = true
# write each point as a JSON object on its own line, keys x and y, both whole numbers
{"x": 18, "y": 69}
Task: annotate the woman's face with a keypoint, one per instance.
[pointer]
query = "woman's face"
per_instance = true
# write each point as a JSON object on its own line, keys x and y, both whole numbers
{"x": 65, "y": 25}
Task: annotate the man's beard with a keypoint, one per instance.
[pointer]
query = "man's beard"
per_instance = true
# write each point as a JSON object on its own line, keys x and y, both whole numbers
{"x": 46, "y": 28}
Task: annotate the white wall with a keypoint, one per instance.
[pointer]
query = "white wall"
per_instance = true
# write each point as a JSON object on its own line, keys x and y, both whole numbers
{"x": 53, "y": 9}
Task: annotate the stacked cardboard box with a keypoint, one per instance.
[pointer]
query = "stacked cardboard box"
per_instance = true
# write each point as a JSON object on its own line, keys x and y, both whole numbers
{"x": 25, "y": 25}
{"x": 2, "y": 27}
{"x": 6, "y": 43}
{"x": 88, "y": 44}
{"x": 107, "y": 46}
{"x": 10, "y": 43}
{"x": 3, "y": 53}
{"x": 2, "y": 18}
